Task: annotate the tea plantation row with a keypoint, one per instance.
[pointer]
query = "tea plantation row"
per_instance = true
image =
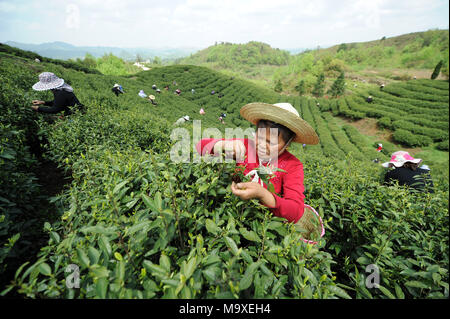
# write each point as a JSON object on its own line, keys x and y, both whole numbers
{"x": 417, "y": 111}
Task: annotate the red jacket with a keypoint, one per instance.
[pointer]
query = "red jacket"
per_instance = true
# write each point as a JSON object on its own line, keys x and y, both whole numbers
{"x": 289, "y": 185}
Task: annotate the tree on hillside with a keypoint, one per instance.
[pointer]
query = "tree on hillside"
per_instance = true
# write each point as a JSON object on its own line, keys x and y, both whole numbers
{"x": 157, "y": 60}
{"x": 300, "y": 88}
{"x": 342, "y": 47}
{"x": 90, "y": 61}
{"x": 437, "y": 70}
{"x": 319, "y": 86}
{"x": 338, "y": 87}
{"x": 278, "y": 87}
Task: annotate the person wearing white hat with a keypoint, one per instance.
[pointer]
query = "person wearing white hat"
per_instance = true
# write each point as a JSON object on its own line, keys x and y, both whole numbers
{"x": 277, "y": 126}
{"x": 117, "y": 89}
{"x": 62, "y": 93}
{"x": 407, "y": 172}
{"x": 182, "y": 120}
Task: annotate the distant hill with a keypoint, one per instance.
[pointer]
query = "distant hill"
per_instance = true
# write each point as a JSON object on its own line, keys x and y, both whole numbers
{"x": 65, "y": 51}
{"x": 392, "y": 58}
{"x": 229, "y": 55}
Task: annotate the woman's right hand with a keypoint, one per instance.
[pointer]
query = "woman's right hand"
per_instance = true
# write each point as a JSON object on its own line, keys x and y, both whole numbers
{"x": 233, "y": 149}
{"x": 37, "y": 102}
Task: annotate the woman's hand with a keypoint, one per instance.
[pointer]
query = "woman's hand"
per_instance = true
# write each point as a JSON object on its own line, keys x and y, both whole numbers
{"x": 35, "y": 107}
{"x": 247, "y": 190}
{"x": 233, "y": 149}
{"x": 251, "y": 190}
{"x": 37, "y": 102}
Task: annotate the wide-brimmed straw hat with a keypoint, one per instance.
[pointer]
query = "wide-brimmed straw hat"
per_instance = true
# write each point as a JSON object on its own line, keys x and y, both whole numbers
{"x": 151, "y": 97}
{"x": 401, "y": 157}
{"x": 284, "y": 114}
{"x": 47, "y": 81}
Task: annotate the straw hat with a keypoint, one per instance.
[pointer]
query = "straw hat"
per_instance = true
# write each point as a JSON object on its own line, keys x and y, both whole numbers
{"x": 401, "y": 157}
{"x": 284, "y": 114}
{"x": 47, "y": 81}
{"x": 151, "y": 97}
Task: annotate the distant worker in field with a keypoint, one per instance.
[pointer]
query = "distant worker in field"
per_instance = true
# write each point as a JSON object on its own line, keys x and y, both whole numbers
{"x": 220, "y": 95}
{"x": 62, "y": 93}
{"x": 382, "y": 86}
{"x": 318, "y": 104}
{"x": 151, "y": 98}
{"x": 277, "y": 126}
{"x": 37, "y": 60}
{"x": 177, "y": 92}
{"x": 174, "y": 82}
{"x": 369, "y": 99}
{"x": 158, "y": 91}
{"x": 192, "y": 91}
{"x": 117, "y": 89}
{"x": 154, "y": 87}
{"x": 166, "y": 88}
{"x": 407, "y": 172}
{"x": 142, "y": 94}
{"x": 182, "y": 120}
{"x": 222, "y": 117}
{"x": 213, "y": 92}
{"x": 202, "y": 111}
{"x": 380, "y": 147}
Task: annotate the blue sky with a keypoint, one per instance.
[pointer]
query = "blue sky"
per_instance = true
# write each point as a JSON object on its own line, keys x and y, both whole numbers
{"x": 200, "y": 23}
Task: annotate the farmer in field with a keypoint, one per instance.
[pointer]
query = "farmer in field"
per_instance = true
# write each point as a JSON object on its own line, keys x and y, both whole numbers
{"x": 151, "y": 98}
{"x": 369, "y": 99}
{"x": 182, "y": 120}
{"x": 278, "y": 125}
{"x": 117, "y": 89}
{"x": 62, "y": 92}
{"x": 142, "y": 94}
{"x": 222, "y": 117}
{"x": 407, "y": 172}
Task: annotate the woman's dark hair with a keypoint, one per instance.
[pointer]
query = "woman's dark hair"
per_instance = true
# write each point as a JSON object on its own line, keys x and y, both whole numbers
{"x": 411, "y": 166}
{"x": 286, "y": 133}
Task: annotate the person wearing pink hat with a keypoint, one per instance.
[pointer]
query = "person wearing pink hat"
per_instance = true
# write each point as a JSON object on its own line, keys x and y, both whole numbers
{"x": 407, "y": 172}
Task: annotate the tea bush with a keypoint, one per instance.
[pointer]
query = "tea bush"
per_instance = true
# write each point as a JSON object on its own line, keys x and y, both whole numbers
{"x": 136, "y": 224}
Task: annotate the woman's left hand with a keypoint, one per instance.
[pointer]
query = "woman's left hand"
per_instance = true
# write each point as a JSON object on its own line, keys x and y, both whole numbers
{"x": 247, "y": 190}
{"x": 252, "y": 190}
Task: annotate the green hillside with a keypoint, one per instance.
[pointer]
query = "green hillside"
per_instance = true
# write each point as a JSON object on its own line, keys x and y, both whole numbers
{"x": 137, "y": 224}
{"x": 387, "y": 59}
